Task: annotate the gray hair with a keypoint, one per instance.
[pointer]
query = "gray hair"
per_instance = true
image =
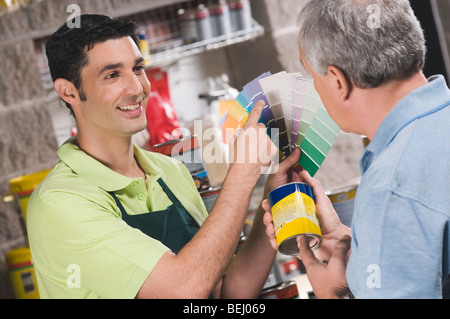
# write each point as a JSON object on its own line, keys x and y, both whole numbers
{"x": 340, "y": 33}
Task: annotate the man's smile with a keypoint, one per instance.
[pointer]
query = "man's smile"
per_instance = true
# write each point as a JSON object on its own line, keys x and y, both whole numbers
{"x": 130, "y": 107}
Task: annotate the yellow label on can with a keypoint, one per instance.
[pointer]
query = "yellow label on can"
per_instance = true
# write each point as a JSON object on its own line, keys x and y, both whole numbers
{"x": 294, "y": 215}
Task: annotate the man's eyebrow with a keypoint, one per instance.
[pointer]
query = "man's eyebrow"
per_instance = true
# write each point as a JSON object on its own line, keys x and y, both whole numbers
{"x": 119, "y": 65}
{"x": 110, "y": 67}
{"x": 139, "y": 60}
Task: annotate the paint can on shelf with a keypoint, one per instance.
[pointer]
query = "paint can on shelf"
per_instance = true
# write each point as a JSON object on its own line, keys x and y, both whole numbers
{"x": 21, "y": 273}
{"x": 284, "y": 290}
{"x": 21, "y": 188}
{"x": 220, "y": 19}
{"x": 294, "y": 213}
{"x": 188, "y": 28}
{"x": 343, "y": 201}
{"x": 240, "y": 15}
{"x": 203, "y": 23}
{"x": 188, "y": 151}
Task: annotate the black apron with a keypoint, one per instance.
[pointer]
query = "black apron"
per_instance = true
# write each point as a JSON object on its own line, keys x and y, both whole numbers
{"x": 173, "y": 226}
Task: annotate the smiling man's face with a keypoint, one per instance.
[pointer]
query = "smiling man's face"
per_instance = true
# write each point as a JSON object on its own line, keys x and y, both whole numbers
{"x": 116, "y": 90}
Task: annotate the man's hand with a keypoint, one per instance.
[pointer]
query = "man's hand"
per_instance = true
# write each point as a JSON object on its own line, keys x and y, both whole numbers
{"x": 326, "y": 266}
{"x": 330, "y": 224}
{"x": 283, "y": 173}
{"x": 332, "y": 228}
{"x": 251, "y": 150}
{"x": 327, "y": 279}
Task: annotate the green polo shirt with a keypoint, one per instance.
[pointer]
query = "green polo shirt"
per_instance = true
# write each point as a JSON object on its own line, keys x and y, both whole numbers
{"x": 80, "y": 245}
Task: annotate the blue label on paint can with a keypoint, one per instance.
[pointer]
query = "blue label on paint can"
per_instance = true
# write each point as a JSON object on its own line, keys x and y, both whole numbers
{"x": 283, "y": 191}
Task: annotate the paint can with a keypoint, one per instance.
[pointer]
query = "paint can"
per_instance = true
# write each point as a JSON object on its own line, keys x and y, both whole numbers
{"x": 220, "y": 19}
{"x": 21, "y": 273}
{"x": 187, "y": 150}
{"x": 21, "y": 188}
{"x": 240, "y": 15}
{"x": 203, "y": 23}
{"x": 294, "y": 213}
{"x": 188, "y": 28}
{"x": 343, "y": 201}
{"x": 284, "y": 290}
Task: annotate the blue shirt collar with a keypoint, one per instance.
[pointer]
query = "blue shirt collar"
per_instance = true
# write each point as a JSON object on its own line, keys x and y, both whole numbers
{"x": 420, "y": 102}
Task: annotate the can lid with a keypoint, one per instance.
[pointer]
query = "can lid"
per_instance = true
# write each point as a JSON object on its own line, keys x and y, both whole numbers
{"x": 216, "y": 10}
{"x": 19, "y": 256}
{"x": 186, "y": 14}
{"x": 142, "y": 35}
{"x": 27, "y": 182}
{"x": 284, "y": 290}
{"x": 236, "y": 5}
{"x": 202, "y": 12}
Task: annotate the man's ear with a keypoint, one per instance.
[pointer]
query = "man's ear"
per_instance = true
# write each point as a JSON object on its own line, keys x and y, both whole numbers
{"x": 67, "y": 91}
{"x": 340, "y": 82}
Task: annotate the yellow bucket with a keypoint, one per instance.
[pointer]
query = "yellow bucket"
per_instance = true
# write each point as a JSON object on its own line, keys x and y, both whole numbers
{"x": 23, "y": 186}
{"x": 22, "y": 274}
{"x": 343, "y": 201}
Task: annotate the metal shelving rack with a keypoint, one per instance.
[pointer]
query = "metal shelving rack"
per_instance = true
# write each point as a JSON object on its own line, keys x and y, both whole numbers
{"x": 178, "y": 52}
{"x": 164, "y": 36}
{"x": 164, "y": 32}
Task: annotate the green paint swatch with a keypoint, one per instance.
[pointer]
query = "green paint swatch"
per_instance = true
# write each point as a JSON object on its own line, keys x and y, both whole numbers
{"x": 317, "y": 141}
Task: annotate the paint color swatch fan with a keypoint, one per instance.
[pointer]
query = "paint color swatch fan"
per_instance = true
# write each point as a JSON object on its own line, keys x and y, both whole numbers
{"x": 293, "y": 114}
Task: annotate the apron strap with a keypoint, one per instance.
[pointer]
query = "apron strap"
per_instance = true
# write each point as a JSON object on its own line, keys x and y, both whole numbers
{"x": 168, "y": 192}
{"x": 118, "y": 203}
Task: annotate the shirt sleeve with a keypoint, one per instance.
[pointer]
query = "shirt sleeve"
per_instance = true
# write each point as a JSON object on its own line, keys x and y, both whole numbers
{"x": 113, "y": 258}
{"x": 397, "y": 248}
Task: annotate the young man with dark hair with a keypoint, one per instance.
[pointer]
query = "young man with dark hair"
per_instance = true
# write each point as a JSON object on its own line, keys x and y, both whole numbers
{"x": 129, "y": 222}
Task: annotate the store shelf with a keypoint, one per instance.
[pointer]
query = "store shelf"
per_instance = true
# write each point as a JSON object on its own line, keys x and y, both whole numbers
{"x": 175, "y": 51}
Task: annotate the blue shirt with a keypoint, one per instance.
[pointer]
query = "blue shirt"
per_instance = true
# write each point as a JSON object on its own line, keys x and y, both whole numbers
{"x": 400, "y": 229}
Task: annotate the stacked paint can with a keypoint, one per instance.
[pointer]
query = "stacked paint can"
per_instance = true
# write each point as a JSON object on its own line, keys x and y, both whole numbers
{"x": 19, "y": 263}
{"x": 21, "y": 272}
{"x": 188, "y": 151}
{"x": 23, "y": 186}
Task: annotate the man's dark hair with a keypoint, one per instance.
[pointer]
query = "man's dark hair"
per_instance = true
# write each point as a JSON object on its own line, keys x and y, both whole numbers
{"x": 67, "y": 48}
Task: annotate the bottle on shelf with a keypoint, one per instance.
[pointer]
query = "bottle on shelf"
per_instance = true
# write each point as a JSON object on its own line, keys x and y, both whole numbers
{"x": 144, "y": 48}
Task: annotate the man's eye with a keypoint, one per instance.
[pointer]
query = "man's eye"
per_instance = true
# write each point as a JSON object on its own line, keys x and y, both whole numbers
{"x": 139, "y": 68}
{"x": 112, "y": 75}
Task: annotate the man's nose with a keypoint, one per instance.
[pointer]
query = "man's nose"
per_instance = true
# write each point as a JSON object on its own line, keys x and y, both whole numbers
{"x": 134, "y": 86}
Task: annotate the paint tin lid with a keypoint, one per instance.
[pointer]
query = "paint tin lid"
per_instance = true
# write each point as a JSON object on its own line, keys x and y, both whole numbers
{"x": 285, "y": 290}
{"x": 290, "y": 247}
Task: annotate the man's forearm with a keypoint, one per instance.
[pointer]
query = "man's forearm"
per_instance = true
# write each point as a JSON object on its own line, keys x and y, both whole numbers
{"x": 250, "y": 268}
{"x": 221, "y": 230}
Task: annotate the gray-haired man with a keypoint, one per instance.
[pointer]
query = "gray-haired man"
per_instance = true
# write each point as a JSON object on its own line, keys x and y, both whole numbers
{"x": 369, "y": 76}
